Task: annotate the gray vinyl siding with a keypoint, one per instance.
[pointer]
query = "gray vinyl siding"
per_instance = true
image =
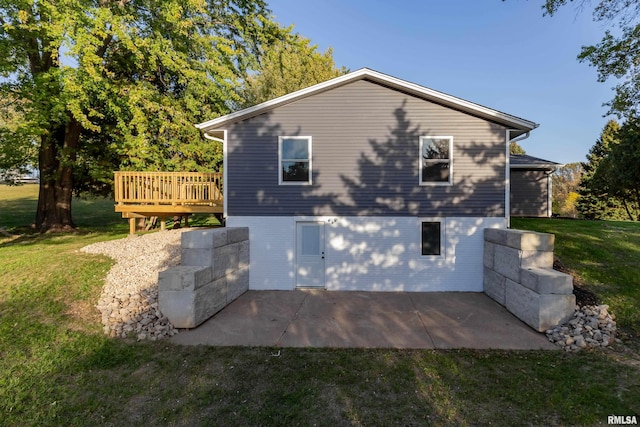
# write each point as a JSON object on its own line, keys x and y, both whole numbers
{"x": 365, "y": 157}
{"x": 529, "y": 193}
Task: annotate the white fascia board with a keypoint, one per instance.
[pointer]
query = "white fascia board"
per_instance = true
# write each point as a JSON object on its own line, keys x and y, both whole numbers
{"x": 452, "y": 101}
{"x": 393, "y": 82}
{"x": 258, "y": 109}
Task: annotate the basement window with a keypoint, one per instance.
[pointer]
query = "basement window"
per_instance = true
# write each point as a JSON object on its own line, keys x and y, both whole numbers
{"x": 431, "y": 238}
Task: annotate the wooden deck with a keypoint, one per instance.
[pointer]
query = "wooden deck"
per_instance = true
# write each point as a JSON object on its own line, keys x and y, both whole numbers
{"x": 166, "y": 194}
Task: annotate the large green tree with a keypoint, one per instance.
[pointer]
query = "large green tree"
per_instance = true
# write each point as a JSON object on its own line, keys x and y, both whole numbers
{"x": 610, "y": 185}
{"x": 122, "y": 82}
{"x": 595, "y": 200}
{"x": 623, "y": 169}
{"x": 287, "y": 65}
{"x": 617, "y": 55}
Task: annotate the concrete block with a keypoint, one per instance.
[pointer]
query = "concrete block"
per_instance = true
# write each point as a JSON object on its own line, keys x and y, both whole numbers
{"x": 237, "y": 234}
{"x": 197, "y": 256}
{"x": 496, "y": 235}
{"x": 210, "y": 299}
{"x": 494, "y": 285}
{"x": 244, "y": 254}
{"x": 237, "y": 284}
{"x": 530, "y": 240}
{"x": 220, "y": 237}
{"x": 225, "y": 260}
{"x": 178, "y": 307}
{"x": 546, "y": 281}
{"x": 188, "y": 309}
{"x": 184, "y": 277}
{"x": 199, "y": 239}
{"x": 541, "y": 312}
{"x": 488, "y": 254}
{"x": 540, "y": 259}
{"x": 507, "y": 262}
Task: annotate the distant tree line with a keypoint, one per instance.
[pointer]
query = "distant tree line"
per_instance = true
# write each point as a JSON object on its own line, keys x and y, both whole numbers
{"x": 607, "y": 185}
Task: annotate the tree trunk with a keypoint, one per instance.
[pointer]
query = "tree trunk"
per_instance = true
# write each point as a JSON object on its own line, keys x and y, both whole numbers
{"x": 626, "y": 208}
{"x": 57, "y": 156}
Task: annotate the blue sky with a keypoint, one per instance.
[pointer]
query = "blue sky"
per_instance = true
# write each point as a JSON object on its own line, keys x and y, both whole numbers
{"x": 504, "y": 55}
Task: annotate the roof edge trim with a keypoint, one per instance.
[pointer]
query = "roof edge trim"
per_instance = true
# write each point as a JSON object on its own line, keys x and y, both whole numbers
{"x": 393, "y": 82}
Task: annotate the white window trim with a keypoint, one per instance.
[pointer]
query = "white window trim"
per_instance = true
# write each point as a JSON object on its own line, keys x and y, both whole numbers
{"x": 443, "y": 236}
{"x": 280, "y": 160}
{"x": 436, "y": 183}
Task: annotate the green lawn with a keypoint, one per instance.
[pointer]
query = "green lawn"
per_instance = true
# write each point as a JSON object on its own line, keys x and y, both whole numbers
{"x": 604, "y": 256}
{"x": 57, "y": 368}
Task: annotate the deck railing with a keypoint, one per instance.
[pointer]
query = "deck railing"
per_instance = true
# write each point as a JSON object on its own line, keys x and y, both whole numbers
{"x": 168, "y": 188}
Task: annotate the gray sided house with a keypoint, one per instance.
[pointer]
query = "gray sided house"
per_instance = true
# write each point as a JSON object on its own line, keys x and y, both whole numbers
{"x": 367, "y": 182}
{"x": 531, "y": 185}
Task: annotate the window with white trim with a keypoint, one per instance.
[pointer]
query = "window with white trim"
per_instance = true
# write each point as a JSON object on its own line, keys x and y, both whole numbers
{"x": 432, "y": 238}
{"x": 436, "y": 153}
{"x": 294, "y": 153}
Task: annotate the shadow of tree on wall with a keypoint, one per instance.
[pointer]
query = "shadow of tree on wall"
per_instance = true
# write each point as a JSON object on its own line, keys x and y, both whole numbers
{"x": 384, "y": 179}
{"x": 375, "y": 176}
{"x": 388, "y": 181}
{"x": 529, "y": 194}
{"x": 253, "y": 185}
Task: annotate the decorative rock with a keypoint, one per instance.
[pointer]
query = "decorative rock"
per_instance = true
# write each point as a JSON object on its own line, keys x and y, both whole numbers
{"x": 129, "y": 300}
{"x": 590, "y": 327}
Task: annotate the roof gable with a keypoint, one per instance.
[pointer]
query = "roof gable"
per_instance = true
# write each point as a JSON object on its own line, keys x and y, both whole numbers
{"x": 508, "y": 120}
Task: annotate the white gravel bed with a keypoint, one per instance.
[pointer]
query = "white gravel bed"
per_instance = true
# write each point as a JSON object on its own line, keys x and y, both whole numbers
{"x": 129, "y": 299}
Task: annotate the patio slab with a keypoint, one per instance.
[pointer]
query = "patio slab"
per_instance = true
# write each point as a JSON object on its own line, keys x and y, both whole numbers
{"x": 319, "y": 318}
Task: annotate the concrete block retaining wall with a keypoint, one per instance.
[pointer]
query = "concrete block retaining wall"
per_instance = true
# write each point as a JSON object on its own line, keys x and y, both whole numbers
{"x": 519, "y": 274}
{"x": 214, "y": 271}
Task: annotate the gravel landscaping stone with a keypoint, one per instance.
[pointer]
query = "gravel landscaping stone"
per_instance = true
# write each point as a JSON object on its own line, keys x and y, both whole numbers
{"x": 591, "y": 326}
{"x": 129, "y": 300}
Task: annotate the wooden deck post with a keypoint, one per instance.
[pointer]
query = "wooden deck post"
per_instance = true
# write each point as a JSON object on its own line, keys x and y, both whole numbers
{"x": 132, "y": 225}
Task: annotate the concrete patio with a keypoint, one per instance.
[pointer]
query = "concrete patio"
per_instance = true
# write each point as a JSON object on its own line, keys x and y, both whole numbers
{"x": 319, "y": 318}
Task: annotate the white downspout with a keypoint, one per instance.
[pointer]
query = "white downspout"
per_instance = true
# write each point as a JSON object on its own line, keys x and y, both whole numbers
{"x": 507, "y": 172}
{"x": 224, "y": 168}
{"x": 549, "y": 195}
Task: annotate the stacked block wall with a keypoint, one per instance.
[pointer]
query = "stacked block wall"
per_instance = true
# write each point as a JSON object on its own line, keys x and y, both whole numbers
{"x": 519, "y": 274}
{"x": 214, "y": 271}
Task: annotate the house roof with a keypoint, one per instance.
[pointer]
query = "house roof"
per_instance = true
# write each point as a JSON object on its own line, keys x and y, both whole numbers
{"x": 523, "y": 161}
{"x": 518, "y": 124}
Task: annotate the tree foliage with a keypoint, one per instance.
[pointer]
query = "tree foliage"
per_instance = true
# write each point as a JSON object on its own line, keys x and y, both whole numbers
{"x": 121, "y": 83}
{"x": 515, "y": 148}
{"x": 610, "y": 186}
{"x": 565, "y": 184}
{"x": 616, "y": 56}
{"x": 290, "y": 64}
{"x": 18, "y": 149}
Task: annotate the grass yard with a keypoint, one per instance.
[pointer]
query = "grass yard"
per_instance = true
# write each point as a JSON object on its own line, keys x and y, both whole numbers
{"x": 605, "y": 258}
{"x": 57, "y": 368}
